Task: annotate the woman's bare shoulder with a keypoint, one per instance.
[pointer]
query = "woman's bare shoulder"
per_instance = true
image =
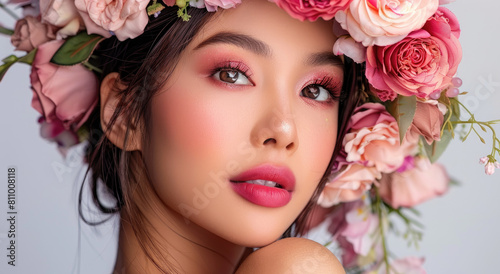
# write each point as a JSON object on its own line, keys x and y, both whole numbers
{"x": 291, "y": 255}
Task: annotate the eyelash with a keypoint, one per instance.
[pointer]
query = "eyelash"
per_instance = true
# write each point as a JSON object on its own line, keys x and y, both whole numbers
{"x": 231, "y": 65}
{"x": 326, "y": 82}
{"x": 330, "y": 84}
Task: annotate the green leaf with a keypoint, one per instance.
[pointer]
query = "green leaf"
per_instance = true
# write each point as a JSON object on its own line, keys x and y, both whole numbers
{"x": 28, "y": 58}
{"x": 403, "y": 109}
{"x": 76, "y": 49}
{"x": 7, "y": 63}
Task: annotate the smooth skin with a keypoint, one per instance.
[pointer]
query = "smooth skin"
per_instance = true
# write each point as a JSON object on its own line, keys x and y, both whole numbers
{"x": 229, "y": 107}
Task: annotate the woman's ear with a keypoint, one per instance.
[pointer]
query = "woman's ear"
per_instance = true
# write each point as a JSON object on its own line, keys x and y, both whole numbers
{"x": 110, "y": 87}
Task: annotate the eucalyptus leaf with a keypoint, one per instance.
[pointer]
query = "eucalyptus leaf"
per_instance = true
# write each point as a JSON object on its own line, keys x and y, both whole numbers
{"x": 76, "y": 49}
{"x": 403, "y": 110}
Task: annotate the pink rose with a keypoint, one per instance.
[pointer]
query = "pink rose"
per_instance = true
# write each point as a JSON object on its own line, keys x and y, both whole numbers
{"x": 414, "y": 186}
{"x": 420, "y": 64}
{"x": 384, "y": 95}
{"x": 62, "y": 93}
{"x": 124, "y": 18}
{"x": 385, "y": 22}
{"x": 211, "y": 5}
{"x": 347, "y": 46}
{"x": 312, "y": 9}
{"x": 373, "y": 139}
{"x": 30, "y": 32}
{"x": 349, "y": 185}
{"x": 427, "y": 122}
{"x": 63, "y": 14}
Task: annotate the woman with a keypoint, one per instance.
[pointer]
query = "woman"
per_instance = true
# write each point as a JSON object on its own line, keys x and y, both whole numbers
{"x": 218, "y": 117}
{"x": 217, "y": 135}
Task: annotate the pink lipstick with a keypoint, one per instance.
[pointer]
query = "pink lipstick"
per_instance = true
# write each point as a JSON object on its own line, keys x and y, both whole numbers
{"x": 265, "y": 185}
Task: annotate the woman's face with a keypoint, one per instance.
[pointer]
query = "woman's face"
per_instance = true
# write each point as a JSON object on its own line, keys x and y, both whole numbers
{"x": 249, "y": 102}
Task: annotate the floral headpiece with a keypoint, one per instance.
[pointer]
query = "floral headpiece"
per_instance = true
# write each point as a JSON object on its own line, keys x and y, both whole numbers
{"x": 405, "y": 120}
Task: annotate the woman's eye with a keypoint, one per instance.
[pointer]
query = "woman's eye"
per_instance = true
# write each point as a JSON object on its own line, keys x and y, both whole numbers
{"x": 316, "y": 92}
{"x": 232, "y": 76}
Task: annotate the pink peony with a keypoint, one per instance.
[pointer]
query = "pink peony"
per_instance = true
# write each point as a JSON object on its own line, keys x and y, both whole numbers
{"x": 427, "y": 122}
{"x": 62, "y": 93}
{"x": 124, "y": 18}
{"x": 29, "y": 33}
{"x": 414, "y": 186}
{"x": 352, "y": 49}
{"x": 349, "y": 185}
{"x": 312, "y": 9}
{"x": 385, "y": 22}
{"x": 420, "y": 64}
{"x": 211, "y": 5}
{"x": 373, "y": 139}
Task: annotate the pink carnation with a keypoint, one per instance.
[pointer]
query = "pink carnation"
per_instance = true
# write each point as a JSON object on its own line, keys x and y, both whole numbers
{"x": 373, "y": 139}
{"x": 420, "y": 64}
{"x": 414, "y": 186}
{"x": 312, "y": 9}
{"x": 385, "y": 22}
{"x": 62, "y": 93}
{"x": 124, "y": 18}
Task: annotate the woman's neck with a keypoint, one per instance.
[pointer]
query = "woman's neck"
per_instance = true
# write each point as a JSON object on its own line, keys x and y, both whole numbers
{"x": 183, "y": 247}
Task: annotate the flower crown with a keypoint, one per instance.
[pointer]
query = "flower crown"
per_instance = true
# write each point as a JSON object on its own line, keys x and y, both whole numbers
{"x": 405, "y": 120}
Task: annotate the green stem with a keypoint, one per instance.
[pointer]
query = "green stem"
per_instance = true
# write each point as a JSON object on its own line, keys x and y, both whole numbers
{"x": 6, "y": 31}
{"x": 7, "y": 10}
{"x": 378, "y": 203}
{"x": 494, "y": 135}
{"x": 92, "y": 67}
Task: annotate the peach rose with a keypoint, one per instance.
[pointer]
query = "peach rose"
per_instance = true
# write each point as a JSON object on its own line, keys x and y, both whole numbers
{"x": 349, "y": 185}
{"x": 62, "y": 93}
{"x": 352, "y": 49}
{"x": 211, "y": 5}
{"x": 312, "y": 9}
{"x": 30, "y": 32}
{"x": 415, "y": 185}
{"x": 62, "y": 14}
{"x": 123, "y": 18}
{"x": 427, "y": 122}
{"x": 420, "y": 64}
{"x": 373, "y": 139}
{"x": 385, "y": 22}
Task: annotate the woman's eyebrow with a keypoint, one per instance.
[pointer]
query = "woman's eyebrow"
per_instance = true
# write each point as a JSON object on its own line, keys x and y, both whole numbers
{"x": 240, "y": 40}
{"x": 324, "y": 58}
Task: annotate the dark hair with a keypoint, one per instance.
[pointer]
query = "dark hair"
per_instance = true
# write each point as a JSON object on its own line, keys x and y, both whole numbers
{"x": 140, "y": 63}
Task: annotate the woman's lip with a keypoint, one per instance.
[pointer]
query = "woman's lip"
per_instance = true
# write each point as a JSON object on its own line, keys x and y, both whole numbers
{"x": 279, "y": 174}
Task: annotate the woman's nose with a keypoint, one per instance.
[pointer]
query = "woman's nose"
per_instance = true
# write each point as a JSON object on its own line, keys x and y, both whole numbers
{"x": 276, "y": 127}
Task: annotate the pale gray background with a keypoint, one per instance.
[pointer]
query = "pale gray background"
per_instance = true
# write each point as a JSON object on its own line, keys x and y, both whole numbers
{"x": 462, "y": 227}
